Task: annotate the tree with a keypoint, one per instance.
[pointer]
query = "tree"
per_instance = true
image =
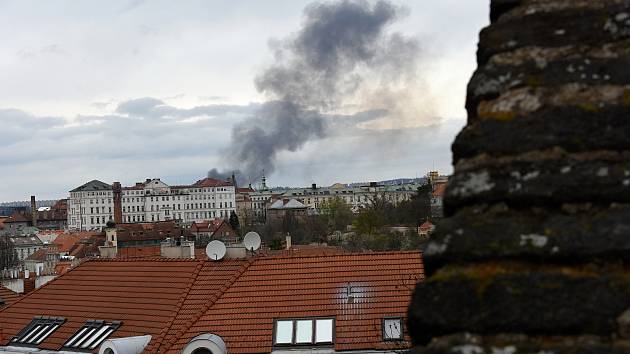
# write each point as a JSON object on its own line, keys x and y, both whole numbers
{"x": 338, "y": 213}
{"x": 8, "y": 255}
{"x": 406, "y": 212}
{"x": 234, "y": 222}
{"x": 368, "y": 222}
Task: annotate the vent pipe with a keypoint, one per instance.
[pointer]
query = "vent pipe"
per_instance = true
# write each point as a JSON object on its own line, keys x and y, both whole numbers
{"x": 207, "y": 341}
{"x": 125, "y": 345}
{"x": 288, "y": 241}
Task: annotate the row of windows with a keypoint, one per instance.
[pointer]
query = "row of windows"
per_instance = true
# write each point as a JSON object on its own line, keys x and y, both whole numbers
{"x": 90, "y": 194}
{"x": 179, "y": 191}
{"x": 321, "y": 331}
{"x": 174, "y": 198}
{"x": 305, "y": 331}
{"x": 88, "y": 337}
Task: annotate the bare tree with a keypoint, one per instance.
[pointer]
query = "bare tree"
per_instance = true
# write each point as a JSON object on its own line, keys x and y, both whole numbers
{"x": 8, "y": 255}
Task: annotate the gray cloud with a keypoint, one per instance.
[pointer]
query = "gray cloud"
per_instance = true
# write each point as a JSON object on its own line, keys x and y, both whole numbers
{"x": 19, "y": 126}
{"x": 54, "y": 154}
{"x": 342, "y": 48}
{"x": 149, "y": 107}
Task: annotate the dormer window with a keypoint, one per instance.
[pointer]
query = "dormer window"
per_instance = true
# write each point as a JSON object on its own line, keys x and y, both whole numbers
{"x": 307, "y": 331}
{"x": 92, "y": 334}
{"x": 38, "y": 330}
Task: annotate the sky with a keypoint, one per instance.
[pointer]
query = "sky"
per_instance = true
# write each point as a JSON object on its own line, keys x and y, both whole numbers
{"x": 129, "y": 90}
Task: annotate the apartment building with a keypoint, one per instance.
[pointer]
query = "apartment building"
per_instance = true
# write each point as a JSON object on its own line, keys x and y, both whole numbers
{"x": 356, "y": 197}
{"x": 91, "y": 205}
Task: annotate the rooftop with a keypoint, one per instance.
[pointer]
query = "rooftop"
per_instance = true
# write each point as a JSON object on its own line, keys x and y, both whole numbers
{"x": 174, "y": 300}
{"x": 93, "y": 185}
{"x": 7, "y": 296}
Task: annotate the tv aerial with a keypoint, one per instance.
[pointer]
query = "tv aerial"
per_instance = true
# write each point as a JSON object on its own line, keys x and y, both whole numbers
{"x": 251, "y": 241}
{"x": 215, "y": 250}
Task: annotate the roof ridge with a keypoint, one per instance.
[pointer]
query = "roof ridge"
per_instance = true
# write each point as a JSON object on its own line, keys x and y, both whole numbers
{"x": 143, "y": 258}
{"x": 213, "y": 299}
{"x": 160, "y": 338}
{"x": 353, "y": 254}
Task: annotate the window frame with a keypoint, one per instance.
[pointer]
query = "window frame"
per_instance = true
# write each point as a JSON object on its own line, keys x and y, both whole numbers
{"x": 91, "y": 324}
{"x": 36, "y": 322}
{"x": 402, "y": 329}
{"x": 313, "y": 341}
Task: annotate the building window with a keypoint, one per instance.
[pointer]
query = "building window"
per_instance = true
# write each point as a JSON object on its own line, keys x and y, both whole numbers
{"x": 306, "y": 331}
{"x": 392, "y": 329}
{"x": 91, "y": 335}
{"x": 38, "y": 330}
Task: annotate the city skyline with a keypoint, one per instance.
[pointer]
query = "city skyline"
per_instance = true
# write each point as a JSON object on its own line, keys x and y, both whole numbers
{"x": 82, "y": 102}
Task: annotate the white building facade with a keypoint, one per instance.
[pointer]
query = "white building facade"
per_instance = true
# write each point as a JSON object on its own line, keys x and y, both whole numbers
{"x": 356, "y": 197}
{"x": 91, "y": 205}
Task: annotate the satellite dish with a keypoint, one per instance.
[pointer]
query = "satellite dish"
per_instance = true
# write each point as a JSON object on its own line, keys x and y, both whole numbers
{"x": 252, "y": 241}
{"x": 215, "y": 250}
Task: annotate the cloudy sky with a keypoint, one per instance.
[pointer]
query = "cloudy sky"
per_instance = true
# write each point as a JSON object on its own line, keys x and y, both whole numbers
{"x": 128, "y": 90}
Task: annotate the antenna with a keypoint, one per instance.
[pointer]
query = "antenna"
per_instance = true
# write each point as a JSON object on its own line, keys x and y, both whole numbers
{"x": 252, "y": 241}
{"x": 215, "y": 250}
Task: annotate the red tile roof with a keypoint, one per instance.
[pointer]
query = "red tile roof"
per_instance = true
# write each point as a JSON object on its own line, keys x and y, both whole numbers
{"x": 207, "y": 225}
{"x": 7, "y": 296}
{"x": 307, "y": 250}
{"x": 138, "y": 252}
{"x": 174, "y": 300}
{"x": 60, "y": 205}
{"x": 315, "y": 286}
{"x": 427, "y": 225}
{"x": 439, "y": 190}
{"x": 211, "y": 182}
{"x": 16, "y": 217}
{"x": 65, "y": 242}
{"x": 39, "y": 255}
{"x": 62, "y": 267}
{"x": 143, "y": 294}
{"x": 244, "y": 190}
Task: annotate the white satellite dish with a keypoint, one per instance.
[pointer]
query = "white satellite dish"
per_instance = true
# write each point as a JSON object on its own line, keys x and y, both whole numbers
{"x": 251, "y": 241}
{"x": 215, "y": 250}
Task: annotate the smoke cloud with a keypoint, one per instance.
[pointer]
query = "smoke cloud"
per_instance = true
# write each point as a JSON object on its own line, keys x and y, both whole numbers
{"x": 342, "y": 58}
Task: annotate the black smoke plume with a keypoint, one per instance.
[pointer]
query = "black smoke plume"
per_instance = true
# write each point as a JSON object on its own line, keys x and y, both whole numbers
{"x": 342, "y": 56}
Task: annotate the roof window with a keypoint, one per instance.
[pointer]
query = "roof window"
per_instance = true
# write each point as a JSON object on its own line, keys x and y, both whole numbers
{"x": 306, "y": 331}
{"x": 39, "y": 329}
{"x": 92, "y": 334}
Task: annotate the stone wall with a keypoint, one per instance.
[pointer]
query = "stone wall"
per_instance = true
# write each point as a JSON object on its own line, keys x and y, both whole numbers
{"x": 531, "y": 257}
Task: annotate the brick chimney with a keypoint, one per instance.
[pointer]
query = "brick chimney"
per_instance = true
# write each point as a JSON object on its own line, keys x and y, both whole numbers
{"x": 29, "y": 282}
{"x": 117, "y": 190}
{"x": 34, "y": 211}
{"x": 532, "y": 255}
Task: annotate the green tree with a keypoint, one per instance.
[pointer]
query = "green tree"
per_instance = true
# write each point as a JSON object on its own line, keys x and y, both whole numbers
{"x": 338, "y": 214}
{"x": 406, "y": 212}
{"x": 368, "y": 222}
{"x": 234, "y": 222}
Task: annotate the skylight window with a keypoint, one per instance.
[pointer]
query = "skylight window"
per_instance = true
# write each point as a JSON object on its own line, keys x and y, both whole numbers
{"x": 38, "y": 330}
{"x": 306, "y": 331}
{"x": 92, "y": 334}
